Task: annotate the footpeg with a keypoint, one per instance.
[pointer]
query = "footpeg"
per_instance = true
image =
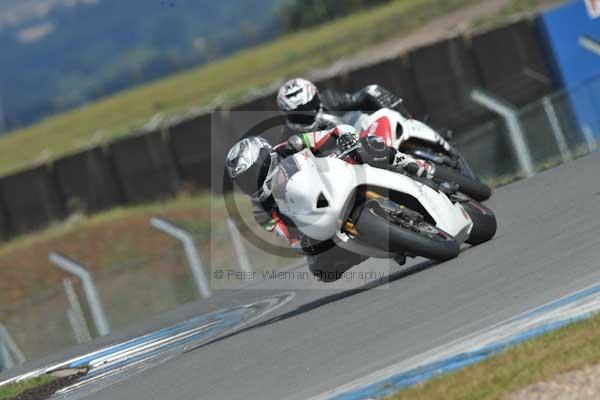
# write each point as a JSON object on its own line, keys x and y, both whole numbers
{"x": 400, "y": 259}
{"x": 449, "y": 188}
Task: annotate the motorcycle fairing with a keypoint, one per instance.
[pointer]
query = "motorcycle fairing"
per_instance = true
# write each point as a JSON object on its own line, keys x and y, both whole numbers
{"x": 385, "y": 122}
{"x": 336, "y": 181}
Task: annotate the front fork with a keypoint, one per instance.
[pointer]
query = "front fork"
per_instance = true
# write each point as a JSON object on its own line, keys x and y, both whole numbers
{"x": 393, "y": 209}
{"x": 348, "y": 226}
{"x": 461, "y": 164}
{"x": 389, "y": 206}
{"x": 454, "y": 160}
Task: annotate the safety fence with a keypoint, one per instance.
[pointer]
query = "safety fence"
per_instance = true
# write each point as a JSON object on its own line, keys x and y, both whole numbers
{"x": 63, "y": 314}
{"x": 551, "y": 133}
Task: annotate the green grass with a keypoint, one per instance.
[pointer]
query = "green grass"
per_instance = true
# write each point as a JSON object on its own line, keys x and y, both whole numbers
{"x": 541, "y": 359}
{"x": 104, "y": 242}
{"x": 81, "y": 222}
{"x": 120, "y": 241}
{"x": 514, "y": 8}
{"x": 15, "y": 389}
{"x": 228, "y": 79}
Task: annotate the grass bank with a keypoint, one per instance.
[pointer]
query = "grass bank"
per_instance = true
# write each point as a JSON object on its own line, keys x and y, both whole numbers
{"x": 228, "y": 79}
{"x": 17, "y": 390}
{"x": 116, "y": 244}
{"x": 513, "y": 9}
{"x": 104, "y": 242}
{"x": 139, "y": 271}
{"x": 567, "y": 349}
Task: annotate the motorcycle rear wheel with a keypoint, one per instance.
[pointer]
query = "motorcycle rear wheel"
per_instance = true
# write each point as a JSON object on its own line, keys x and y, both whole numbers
{"x": 378, "y": 227}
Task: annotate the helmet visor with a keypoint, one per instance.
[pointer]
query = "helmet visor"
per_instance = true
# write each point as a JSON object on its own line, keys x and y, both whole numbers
{"x": 303, "y": 119}
{"x": 305, "y": 114}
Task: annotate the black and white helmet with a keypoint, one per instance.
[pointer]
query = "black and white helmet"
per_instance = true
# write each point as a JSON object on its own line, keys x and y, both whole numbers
{"x": 299, "y": 99}
{"x": 248, "y": 163}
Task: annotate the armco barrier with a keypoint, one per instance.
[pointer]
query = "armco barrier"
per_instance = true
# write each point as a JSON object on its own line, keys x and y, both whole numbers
{"x": 334, "y": 82}
{"x": 488, "y": 150}
{"x": 32, "y": 199}
{"x": 243, "y": 118}
{"x": 258, "y": 104}
{"x": 145, "y": 167}
{"x": 394, "y": 75}
{"x": 5, "y": 231}
{"x": 88, "y": 181}
{"x": 266, "y": 102}
{"x": 445, "y": 75}
{"x": 191, "y": 143}
{"x": 511, "y": 63}
{"x": 221, "y": 140}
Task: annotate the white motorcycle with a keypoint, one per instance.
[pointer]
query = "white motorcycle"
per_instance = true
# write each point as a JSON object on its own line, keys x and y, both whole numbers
{"x": 376, "y": 212}
{"x": 416, "y": 138}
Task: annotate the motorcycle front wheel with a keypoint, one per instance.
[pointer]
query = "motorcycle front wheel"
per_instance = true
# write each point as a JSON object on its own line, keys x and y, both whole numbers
{"x": 376, "y": 226}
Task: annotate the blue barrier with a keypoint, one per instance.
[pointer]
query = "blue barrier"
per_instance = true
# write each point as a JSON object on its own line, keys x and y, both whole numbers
{"x": 571, "y": 33}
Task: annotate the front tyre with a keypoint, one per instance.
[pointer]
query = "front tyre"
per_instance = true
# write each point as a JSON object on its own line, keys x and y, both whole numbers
{"x": 379, "y": 228}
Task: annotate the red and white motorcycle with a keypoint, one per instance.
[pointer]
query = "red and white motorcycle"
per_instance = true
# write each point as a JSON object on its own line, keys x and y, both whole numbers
{"x": 417, "y": 139}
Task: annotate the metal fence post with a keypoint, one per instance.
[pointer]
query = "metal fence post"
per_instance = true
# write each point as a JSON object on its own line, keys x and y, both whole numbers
{"x": 6, "y": 361}
{"x": 559, "y": 135}
{"x": 589, "y": 138}
{"x": 10, "y": 352}
{"x": 191, "y": 252}
{"x": 75, "y": 314}
{"x": 68, "y": 265}
{"x": 240, "y": 250}
{"x": 514, "y": 127}
{"x": 2, "y": 119}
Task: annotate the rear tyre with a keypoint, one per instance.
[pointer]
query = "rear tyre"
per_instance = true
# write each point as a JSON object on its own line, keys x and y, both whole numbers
{"x": 484, "y": 223}
{"x": 473, "y": 188}
{"x": 396, "y": 235}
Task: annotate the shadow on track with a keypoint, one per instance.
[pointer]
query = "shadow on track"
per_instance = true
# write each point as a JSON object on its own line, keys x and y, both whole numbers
{"x": 328, "y": 299}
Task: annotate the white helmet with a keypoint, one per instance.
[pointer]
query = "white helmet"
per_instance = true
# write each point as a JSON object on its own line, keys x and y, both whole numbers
{"x": 299, "y": 99}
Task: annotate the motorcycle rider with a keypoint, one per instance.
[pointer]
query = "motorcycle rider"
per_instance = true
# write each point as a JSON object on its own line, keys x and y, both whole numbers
{"x": 253, "y": 163}
{"x": 304, "y": 106}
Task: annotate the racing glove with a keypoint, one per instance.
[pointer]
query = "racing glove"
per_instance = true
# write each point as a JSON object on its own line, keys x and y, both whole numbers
{"x": 382, "y": 98}
{"x": 347, "y": 137}
{"x": 414, "y": 166}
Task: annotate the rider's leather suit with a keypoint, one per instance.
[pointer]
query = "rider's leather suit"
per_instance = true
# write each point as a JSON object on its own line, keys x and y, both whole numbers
{"x": 369, "y": 99}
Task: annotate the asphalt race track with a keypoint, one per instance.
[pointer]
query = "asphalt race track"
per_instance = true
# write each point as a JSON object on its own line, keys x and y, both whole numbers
{"x": 548, "y": 245}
